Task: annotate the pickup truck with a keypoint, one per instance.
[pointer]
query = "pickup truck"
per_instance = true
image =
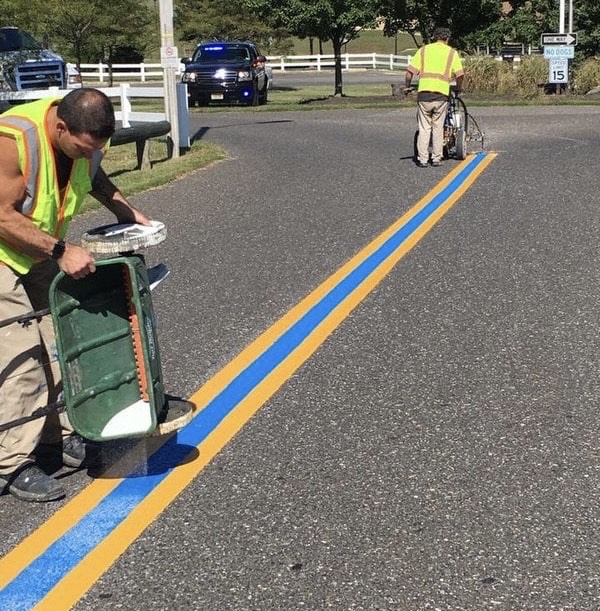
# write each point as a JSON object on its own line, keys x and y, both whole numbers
{"x": 25, "y": 64}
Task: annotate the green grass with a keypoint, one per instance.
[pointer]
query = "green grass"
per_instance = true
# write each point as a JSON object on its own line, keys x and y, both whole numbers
{"x": 368, "y": 41}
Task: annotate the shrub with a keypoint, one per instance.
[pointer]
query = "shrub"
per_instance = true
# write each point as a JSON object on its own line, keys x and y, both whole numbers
{"x": 531, "y": 74}
{"x": 587, "y": 75}
{"x": 481, "y": 74}
{"x": 484, "y": 74}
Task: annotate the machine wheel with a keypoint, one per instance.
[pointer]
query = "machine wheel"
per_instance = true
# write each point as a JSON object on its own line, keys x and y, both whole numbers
{"x": 123, "y": 237}
{"x": 461, "y": 143}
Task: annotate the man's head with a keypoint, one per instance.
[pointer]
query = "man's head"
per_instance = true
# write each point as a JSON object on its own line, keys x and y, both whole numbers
{"x": 85, "y": 121}
{"x": 442, "y": 34}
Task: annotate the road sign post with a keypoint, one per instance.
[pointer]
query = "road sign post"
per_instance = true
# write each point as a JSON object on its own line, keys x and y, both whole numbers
{"x": 559, "y": 71}
{"x": 559, "y": 48}
{"x": 170, "y": 64}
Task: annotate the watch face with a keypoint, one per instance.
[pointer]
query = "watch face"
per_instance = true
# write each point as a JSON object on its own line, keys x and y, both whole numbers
{"x": 59, "y": 250}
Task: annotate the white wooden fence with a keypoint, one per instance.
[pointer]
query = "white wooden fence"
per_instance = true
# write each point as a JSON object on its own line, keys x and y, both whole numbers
{"x": 373, "y": 61}
{"x": 122, "y": 92}
{"x": 143, "y": 72}
{"x": 147, "y": 71}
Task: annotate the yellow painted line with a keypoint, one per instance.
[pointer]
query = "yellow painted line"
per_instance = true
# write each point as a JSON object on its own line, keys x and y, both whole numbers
{"x": 74, "y": 585}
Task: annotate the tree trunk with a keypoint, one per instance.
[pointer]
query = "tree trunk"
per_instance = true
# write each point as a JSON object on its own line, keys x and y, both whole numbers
{"x": 337, "y": 52}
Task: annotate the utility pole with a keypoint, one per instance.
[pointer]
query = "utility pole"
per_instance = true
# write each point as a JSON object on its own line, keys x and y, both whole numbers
{"x": 561, "y": 17}
{"x": 169, "y": 60}
{"x": 570, "y": 16}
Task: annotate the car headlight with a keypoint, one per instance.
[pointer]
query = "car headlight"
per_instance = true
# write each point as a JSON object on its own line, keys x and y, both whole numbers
{"x": 189, "y": 77}
{"x": 244, "y": 75}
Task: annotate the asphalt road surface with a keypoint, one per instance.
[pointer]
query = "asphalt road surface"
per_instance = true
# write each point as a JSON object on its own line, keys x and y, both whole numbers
{"x": 439, "y": 451}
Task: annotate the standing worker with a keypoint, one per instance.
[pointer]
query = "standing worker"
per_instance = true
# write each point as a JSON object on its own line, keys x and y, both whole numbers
{"x": 436, "y": 64}
{"x": 50, "y": 154}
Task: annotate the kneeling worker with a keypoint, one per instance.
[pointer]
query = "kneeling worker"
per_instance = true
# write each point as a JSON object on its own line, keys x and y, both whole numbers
{"x": 50, "y": 154}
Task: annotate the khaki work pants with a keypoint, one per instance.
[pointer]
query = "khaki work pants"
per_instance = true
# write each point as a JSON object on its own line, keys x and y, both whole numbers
{"x": 430, "y": 117}
{"x": 29, "y": 369}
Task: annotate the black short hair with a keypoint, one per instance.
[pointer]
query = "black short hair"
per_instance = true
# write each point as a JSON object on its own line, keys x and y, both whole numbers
{"x": 442, "y": 34}
{"x": 87, "y": 111}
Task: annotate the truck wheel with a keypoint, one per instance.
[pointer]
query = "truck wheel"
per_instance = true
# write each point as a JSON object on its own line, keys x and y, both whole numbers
{"x": 264, "y": 94}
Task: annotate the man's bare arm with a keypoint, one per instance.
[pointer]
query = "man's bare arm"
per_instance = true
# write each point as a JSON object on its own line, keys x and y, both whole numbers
{"x": 18, "y": 231}
{"x": 109, "y": 196}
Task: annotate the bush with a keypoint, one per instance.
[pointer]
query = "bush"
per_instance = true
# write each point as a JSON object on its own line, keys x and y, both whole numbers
{"x": 531, "y": 74}
{"x": 587, "y": 75}
{"x": 485, "y": 74}
{"x": 481, "y": 74}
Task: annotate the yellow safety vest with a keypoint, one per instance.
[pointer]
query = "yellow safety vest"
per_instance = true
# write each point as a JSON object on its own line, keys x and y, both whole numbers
{"x": 43, "y": 205}
{"x": 436, "y": 64}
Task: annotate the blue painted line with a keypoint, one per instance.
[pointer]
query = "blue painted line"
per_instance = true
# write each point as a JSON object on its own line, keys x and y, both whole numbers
{"x": 35, "y": 582}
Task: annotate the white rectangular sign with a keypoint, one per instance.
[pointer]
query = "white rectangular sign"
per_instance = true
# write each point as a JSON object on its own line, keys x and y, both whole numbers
{"x": 559, "y": 51}
{"x": 555, "y": 38}
{"x": 559, "y": 71}
{"x": 169, "y": 57}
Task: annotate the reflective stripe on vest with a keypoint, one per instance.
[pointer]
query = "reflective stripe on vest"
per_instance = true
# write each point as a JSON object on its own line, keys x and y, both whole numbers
{"x": 43, "y": 203}
{"x": 30, "y": 162}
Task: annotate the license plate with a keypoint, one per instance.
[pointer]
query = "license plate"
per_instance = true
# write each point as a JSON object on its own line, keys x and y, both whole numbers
{"x": 216, "y": 96}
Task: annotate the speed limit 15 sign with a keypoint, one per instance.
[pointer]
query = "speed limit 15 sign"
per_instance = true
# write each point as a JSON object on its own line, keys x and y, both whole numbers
{"x": 559, "y": 71}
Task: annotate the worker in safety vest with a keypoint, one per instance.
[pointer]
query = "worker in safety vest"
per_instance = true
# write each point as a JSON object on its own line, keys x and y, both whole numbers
{"x": 50, "y": 154}
{"x": 436, "y": 64}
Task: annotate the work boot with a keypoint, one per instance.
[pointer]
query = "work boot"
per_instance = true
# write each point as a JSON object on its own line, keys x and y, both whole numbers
{"x": 30, "y": 483}
{"x": 78, "y": 452}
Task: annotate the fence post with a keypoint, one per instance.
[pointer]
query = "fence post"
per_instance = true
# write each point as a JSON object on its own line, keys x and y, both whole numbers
{"x": 391, "y": 62}
{"x": 347, "y": 61}
{"x": 143, "y": 72}
{"x": 101, "y": 72}
{"x": 318, "y": 63}
{"x": 125, "y": 104}
{"x": 374, "y": 61}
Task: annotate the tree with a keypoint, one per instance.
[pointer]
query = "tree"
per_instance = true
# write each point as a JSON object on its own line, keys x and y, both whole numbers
{"x": 198, "y": 20}
{"x": 464, "y": 18}
{"x": 586, "y": 22}
{"x": 527, "y": 20}
{"x": 86, "y": 30}
{"x": 339, "y": 21}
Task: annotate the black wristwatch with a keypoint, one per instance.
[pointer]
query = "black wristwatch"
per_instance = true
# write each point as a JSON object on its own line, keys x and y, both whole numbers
{"x": 59, "y": 250}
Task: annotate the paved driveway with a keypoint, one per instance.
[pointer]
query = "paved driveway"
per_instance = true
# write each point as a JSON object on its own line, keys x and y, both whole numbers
{"x": 439, "y": 450}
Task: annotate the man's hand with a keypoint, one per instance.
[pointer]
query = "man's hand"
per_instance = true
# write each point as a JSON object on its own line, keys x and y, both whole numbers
{"x": 140, "y": 217}
{"x": 77, "y": 262}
